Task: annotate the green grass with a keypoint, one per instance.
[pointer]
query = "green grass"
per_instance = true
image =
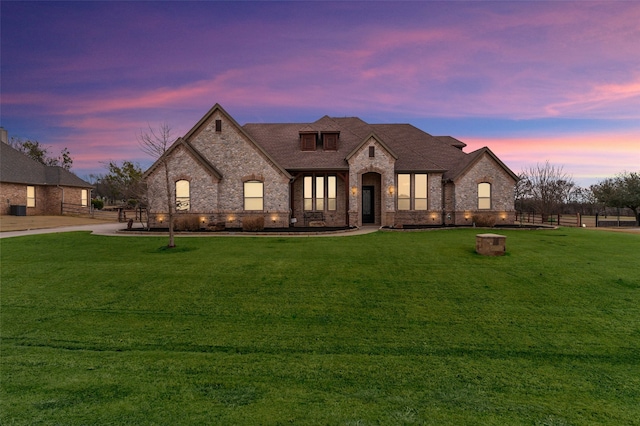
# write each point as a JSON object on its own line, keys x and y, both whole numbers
{"x": 385, "y": 328}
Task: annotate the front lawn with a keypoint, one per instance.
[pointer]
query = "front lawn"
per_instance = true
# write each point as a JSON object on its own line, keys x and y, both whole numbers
{"x": 385, "y": 328}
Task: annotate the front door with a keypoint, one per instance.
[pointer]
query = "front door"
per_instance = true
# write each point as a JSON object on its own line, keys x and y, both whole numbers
{"x": 368, "y": 205}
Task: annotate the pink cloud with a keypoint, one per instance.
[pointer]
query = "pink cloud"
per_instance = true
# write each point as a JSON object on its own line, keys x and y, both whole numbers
{"x": 601, "y": 97}
{"x": 587, "y": 157}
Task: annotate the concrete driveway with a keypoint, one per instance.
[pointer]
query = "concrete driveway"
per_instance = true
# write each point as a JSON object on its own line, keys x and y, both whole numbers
{"x": 15, "y": 226}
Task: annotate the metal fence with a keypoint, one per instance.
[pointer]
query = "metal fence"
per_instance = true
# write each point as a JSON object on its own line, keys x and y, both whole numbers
{"x": 576, "y": 220}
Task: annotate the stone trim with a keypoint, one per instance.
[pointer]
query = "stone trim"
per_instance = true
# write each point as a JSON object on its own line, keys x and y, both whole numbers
{"x": 253, "y": 177}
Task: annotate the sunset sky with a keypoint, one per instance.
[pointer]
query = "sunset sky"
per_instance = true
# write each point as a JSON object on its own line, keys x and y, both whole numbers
{"x": 533, "y": 81}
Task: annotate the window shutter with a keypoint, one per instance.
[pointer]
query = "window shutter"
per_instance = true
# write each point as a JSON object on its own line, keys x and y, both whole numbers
{"x": 308, "y": 142}
{"x": 330, "y": 142}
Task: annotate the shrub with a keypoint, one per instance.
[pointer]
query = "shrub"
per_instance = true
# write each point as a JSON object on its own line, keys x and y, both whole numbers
{"x": 186, "y": 223}
{"x": 485, "y": 221}
{"x": 253, "y": 223}
{"x": 97, "y": 204}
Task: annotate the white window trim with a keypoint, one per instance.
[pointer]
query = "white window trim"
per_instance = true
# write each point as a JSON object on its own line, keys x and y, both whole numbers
{"x": 247, "y": 198}
{"x": 489, "y": 198}
{"x": 31, "y": 200}
{"x": 180, "y": 200}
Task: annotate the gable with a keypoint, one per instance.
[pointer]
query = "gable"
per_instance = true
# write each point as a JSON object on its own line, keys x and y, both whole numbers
{"x": 472, "y": 159}
{"x": 193, "y": 153}
{"x": 368, "y": 141}
{"x": 215, "y": 122}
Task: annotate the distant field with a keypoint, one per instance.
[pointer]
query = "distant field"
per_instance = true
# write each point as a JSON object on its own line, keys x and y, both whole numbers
{"x": 384, "y": 328}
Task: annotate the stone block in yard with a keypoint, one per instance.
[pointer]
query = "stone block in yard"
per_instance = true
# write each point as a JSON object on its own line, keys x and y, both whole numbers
{"x": 491, "y": 244}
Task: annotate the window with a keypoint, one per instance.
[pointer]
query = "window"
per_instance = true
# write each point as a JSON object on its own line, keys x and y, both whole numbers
{"x": 218, "y": 125}
{"x": 416, "y": 199}
{"x": 484, "y": 196}
{"x": 330, "y": 141}
{"x": 319, "y": 193}
{"x": 31, "y": 196}
{"x": 183, "y": 202}
{"x": 372, "y": 151}
{"x": 404, "y": 192}
{"x": 308, "y": 141}
{"x": 331, "y": 193}
{"x": 253, "y": 195}
{"x": 308, "y": 193}
{"x": 420, "y": 192}
{"x": 84, "y": 198}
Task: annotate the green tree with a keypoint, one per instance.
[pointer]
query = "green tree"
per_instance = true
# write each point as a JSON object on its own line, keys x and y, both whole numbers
{"x": 123, "y": 182}
{"x": 620, "y": 191}
{"x": 40, "y": 153}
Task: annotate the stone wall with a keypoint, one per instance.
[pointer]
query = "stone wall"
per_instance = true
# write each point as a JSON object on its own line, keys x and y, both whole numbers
{"x": 213, "y": 201}
{"x": 431, "y": 216}
{"x": 383, "y": 164}
{"x": 462, "y": 201}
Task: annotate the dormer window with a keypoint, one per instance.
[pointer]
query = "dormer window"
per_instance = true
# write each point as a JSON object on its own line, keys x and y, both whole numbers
{"x": 308, "y": 141}
{"x": 330, "y": 141}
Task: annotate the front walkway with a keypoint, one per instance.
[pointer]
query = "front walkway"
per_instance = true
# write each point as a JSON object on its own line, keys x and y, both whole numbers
{"x": 18, "y": 226}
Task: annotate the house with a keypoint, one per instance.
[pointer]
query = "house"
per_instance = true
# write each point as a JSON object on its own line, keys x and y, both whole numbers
{"x": 28, "y": 187}
{"x": 332, "y": 172}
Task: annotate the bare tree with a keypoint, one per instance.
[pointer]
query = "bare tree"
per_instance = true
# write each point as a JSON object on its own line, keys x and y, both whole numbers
{"x": 546, "y": 187}
{"x": 156, "y": 143}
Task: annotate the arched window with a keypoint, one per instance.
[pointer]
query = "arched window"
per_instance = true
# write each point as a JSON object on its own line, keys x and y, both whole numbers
{"x": 253, "y": 195}
{"x": 484, "y": 196}
{"x": 183, "y": 200}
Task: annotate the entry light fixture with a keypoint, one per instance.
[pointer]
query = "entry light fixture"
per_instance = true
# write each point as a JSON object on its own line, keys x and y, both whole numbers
{"x": 354, "y": 190}
{"x": 392, "y": 190}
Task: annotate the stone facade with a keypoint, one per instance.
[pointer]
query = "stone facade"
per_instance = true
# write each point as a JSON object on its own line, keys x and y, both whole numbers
{"x": 218, "y": 156}
{"x": 433, "y": 214}
{"x": 219, "y": 202}
{"x": 382, "y": 163}
{"x": 461, "y": 196}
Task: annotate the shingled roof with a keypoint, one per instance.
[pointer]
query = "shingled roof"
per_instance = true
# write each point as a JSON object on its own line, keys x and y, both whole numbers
{"x": 416, "y": 149}
{"x": 15, "y": 167}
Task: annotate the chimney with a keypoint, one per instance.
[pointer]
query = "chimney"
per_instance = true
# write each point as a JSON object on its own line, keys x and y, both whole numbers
{"x": 4, "y": 136}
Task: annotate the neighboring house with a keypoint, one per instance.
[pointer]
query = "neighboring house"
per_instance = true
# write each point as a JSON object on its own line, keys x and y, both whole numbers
{"x": 37, "y": 189}
{"x": 332, "y": 172}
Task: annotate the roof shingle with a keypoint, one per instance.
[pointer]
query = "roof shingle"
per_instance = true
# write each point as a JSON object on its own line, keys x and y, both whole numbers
{"x": 15, "y": 167}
